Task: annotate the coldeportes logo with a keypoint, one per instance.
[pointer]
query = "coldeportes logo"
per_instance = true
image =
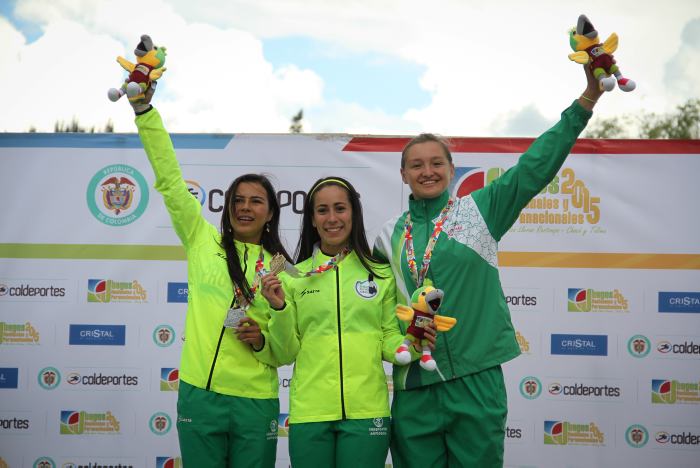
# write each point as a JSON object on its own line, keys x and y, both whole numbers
{"x": 101, "y": 290}
{"x": 81, "y": 422}
{"x": 685, "y": 349}
{"x": 169, "y": 379}
{"x": 160, "y": 423}
{"x": 639, "y": 346}
{"x": 49, "y": 378}
{"x": 168, "y": 462}
{"x": 197, "y": 191}
{"x": 164, "y": 335}
{"x": 36, "y": 289}
{"x": 567, "y": 433}
{"x": 670, "y": 392}
{"x": 684, "y": 438}
{"x": 44, "y": 462}
{"x": 589, "y": 300}
{"x": 530, "y": 387}
{"x": 575, "y": 389}
{"x": 102, "y": 381}
{"x": 117, "y": 195}
{"x": 636, "y": 436}
{"x": 18, "y": 333}
{"x": 283, "y": 425}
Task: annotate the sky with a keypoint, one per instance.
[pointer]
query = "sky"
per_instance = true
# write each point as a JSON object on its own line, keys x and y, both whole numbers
{"x": 382, "y": 67}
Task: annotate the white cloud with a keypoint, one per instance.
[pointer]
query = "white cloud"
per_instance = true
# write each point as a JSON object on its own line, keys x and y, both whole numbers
{"x": 483, "y": 63}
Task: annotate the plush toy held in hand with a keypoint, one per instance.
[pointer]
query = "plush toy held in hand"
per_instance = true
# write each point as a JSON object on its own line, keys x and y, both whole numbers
{"x": 148, "y": 68}
{"x": 589, "y": 51}
{"x": 425, "y": 303}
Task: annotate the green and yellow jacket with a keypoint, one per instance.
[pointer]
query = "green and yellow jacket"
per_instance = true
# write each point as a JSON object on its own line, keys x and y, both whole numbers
{"x": 337, "y": 327}
{"x": 212, "y": 357}
{"x": 465, "y": 259}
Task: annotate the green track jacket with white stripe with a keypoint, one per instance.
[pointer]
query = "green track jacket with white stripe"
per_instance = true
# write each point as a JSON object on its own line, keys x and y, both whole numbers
{"x": 465, "y": 259}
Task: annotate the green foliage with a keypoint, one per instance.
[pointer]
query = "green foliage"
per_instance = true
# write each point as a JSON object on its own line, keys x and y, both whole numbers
{"x": 74, "y": 127}
{"x": 297, "y": 126}
{"x": 683, "y": 124}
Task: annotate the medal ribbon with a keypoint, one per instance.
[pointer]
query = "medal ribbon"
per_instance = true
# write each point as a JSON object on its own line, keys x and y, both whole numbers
{"x": 330, "y": 264}
{"x": 243, "y": 301}
{"x": 428, "y": 255}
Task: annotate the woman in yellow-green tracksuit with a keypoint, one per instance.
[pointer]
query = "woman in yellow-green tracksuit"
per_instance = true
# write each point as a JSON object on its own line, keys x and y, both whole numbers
{"x": 335, "y": 318}
{"x": 227, "y": 407}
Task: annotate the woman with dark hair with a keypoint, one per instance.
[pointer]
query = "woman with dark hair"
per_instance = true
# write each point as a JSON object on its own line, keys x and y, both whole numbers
{"x": 227, "y": 406}
{"x": 335, "y": 318}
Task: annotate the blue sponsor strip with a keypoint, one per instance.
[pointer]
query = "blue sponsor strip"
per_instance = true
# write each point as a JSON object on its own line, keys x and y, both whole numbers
{"x": 109, "y": 140}
{"x": 9, "y": 377}
{"x": 177, "y": 292}
{"x": 679, "y": 302}
{"x": 580, "y": 345}
{"x": 99, "y": 335}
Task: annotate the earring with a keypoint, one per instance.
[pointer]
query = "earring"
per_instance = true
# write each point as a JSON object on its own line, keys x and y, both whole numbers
{"x": 267, "y": 227}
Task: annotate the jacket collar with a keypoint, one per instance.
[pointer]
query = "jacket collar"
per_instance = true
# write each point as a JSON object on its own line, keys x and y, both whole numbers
{"x": 427, "y": 209}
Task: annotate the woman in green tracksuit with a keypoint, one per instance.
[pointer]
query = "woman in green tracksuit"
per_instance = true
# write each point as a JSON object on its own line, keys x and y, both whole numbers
{"x": 336, "y": 320}
{"x": 227, "y": 406}
{"x": 456, "y": 415}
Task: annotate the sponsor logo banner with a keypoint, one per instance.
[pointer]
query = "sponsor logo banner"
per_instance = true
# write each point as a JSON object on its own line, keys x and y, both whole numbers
{"x": 117, "y": 195}
{"x": 590, "y": 300}
{"x": 168, "y": 462}
{"x": 568, "y": 433}
{"x": 9, "y": 377}
{"x": 579, "y": 345}
{"x": 82, "y": 423}
{"x": 97, "y": 335}
{"x": 681, "y": 438}
{"x": 95, "y": 379}
{"x": 177, "y": 292}
{"x": 671, "y": 392}
{"x": 34, "y": 290}
{"x": 18, "y": 334}
{"x": 585, "y": 390}
{"x": 169, "y": 379}
{"x": 636, "y": 436}
{"x": 106, "y": 290}
{"x": 163, "y": 335}
{"x": 49, "y": 378}
{"x": 679, "y": 302}
{"x": 13, "y": 422}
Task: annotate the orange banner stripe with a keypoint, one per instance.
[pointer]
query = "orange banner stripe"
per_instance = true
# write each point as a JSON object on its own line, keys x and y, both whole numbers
{"x": 600, "y": 260}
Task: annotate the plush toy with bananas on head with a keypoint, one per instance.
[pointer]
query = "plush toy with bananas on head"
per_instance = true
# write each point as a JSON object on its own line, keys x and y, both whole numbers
{"x": 425, "y": 303}
{"x": 148, "y": 68}
{"x": 589, "y": 51}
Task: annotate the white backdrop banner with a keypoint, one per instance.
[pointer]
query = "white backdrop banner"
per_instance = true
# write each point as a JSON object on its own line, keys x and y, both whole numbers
{"x": 601, "y": 273}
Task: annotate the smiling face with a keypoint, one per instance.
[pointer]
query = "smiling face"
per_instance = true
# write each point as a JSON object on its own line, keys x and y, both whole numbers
{"x": 332, "y": 218}
{"x": 249, "y": 211}
{"x": 427, "y": 170}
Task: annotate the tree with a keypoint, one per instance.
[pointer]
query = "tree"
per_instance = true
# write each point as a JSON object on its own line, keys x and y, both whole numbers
{"x": 74, "y": 127}
{"x": 297, "y": 126}
{"x": 684, "y": 124}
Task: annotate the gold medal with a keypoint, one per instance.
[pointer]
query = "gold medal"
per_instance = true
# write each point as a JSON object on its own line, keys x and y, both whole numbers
{"x": 277, "y": 264}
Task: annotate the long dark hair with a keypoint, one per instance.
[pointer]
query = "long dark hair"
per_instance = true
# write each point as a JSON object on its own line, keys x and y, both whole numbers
{"x": 270, "y": 239}
{"x": 357, "y": 241}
